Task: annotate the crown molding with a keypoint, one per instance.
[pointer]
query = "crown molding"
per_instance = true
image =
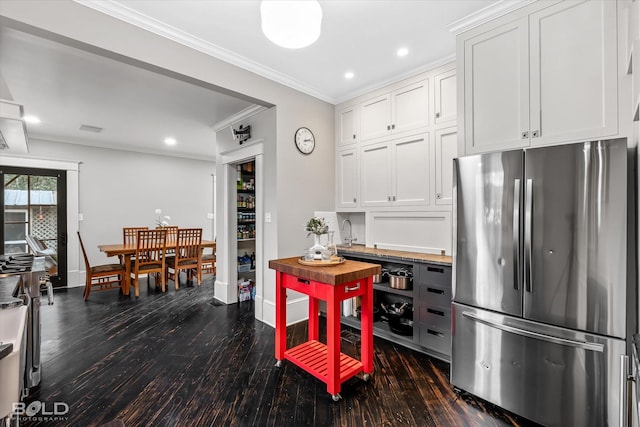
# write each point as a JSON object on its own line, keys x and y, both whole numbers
{"x": 238, "y": 117}
{"x": 396, "y": 78}
{"x": 130, "y": 16}
{"x": 493, "y": 11}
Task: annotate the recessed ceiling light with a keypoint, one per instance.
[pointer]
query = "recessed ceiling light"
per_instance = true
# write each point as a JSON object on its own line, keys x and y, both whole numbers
{"x": 403, "y": 51}
{"x": 170, "y": 141}
{"x": 31, "y": 119}
{"x": 348, "y": 75}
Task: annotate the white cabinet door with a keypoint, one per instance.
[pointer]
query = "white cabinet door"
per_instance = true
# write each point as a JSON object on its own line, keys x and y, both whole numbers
{"x": 375, "y": 175}
{"x": 396, "y": 173}
{"x": 445, "y": 97}
{"x": 347, "y": 122}
{"x": 347, "y": 182}
{"x": 496, "y": 88}
{"x": 410, "y": 107}
{"x": 573, "y": 72}
{"x": 411, "y": 171}
{"x": 445, "y": 150}
{"x": 375, "y": 117}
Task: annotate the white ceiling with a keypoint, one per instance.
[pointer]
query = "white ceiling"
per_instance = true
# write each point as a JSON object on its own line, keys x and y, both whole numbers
{"x": 67, "y": 87}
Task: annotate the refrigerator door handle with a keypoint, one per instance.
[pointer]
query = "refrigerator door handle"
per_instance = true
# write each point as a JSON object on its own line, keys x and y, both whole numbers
{"x": 528, "y": 279}
{"x": 516, "y": 234}
{"x": 624, "y": 381}
{"x": 535, "y": 335}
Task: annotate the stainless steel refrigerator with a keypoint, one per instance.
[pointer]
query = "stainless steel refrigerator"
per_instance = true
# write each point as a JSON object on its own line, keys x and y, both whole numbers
{"x": 544, "y": 296}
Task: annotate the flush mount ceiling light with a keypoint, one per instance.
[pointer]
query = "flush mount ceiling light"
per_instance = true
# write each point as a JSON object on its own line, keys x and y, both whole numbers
{"x": 291, "y": 24}
{"x": 403, "y": 51}
{"x": 348, "y": 75}
{"x": 170, "y": 141}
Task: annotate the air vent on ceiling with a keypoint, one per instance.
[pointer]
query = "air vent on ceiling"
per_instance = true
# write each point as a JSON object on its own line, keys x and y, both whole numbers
{"x": 89, "y": 128}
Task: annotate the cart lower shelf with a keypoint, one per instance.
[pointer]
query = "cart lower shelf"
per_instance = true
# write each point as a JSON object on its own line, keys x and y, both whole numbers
{"x": 312, "y": 357}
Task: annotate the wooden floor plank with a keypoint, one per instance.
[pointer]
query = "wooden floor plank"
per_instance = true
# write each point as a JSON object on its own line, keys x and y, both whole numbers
{"x": 181, "y": 359}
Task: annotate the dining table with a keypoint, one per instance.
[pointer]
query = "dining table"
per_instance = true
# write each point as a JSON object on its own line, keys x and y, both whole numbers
{"x": 127, "y": 250}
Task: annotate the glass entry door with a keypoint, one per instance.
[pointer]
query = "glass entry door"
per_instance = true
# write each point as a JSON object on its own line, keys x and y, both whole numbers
{"x": 34, "y": 216}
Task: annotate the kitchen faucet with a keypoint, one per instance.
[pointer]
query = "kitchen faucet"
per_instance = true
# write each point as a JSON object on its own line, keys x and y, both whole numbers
{"x": 349, "y": 239}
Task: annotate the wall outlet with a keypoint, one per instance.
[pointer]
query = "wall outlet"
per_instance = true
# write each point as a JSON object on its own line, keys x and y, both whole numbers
{"x": 210, "y": 216}
{"x": 80, "y": 217}
{"x": 267, "y": 217}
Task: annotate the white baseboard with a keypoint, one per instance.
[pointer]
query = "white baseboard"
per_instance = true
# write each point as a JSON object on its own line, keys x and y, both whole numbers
{"x": 221, "y": 292}
{"x": 297, "y": 311}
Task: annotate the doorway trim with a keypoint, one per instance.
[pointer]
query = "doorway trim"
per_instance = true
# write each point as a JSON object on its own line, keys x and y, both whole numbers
{"x": 227, "y": 274}
{"x": 72, "y": 168}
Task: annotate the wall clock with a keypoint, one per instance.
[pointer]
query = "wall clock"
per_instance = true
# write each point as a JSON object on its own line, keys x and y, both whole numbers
{"x": 305, "y": 141}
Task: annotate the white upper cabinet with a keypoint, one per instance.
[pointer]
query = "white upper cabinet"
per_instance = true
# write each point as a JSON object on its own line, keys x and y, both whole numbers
{"x": 401, "y": 110}
{"x": 445, "y": 149}
{"x": 375, "y": 118}
{"x": 573, "y": 72}
{"x": 347, "y": 178}
{"x": 445, "y": 97}
{"x": 396, "y": 173}
{"x": 548, "y": 77}
{"x": 496, "y": 88}
{"x": 347, "y": 121}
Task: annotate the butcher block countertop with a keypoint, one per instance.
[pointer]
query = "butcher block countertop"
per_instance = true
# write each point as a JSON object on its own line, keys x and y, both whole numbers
{"x": 400, "y": 255}
{"x": 332, "y": 275}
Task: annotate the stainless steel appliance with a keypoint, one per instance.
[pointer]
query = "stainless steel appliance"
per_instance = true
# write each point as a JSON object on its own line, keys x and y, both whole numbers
{"x": 544, "y": 298}
{"x": 34, "y": 274}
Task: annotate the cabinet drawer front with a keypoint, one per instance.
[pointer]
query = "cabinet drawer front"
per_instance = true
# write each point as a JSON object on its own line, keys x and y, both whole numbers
{"x": 435, "y": 338}
{"x": 434, "y": 274}
{"x": 434, "y": 295}
{"x": 302, "y": 285}
{"x": 439, "y": 317}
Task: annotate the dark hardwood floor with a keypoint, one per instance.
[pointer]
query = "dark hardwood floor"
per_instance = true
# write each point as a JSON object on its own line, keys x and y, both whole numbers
{"x": 181, "y": 359}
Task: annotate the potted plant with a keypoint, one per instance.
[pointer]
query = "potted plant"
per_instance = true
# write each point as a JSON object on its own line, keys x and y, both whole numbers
{"x": 316, "y": 227}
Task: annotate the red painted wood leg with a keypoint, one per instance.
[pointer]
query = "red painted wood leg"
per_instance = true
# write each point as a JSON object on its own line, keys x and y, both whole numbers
{"x": 333, "y": 344}
{"x": 281, "y": 318}
{"x": 366, "y": 326}
{"x": 313, "y": 318}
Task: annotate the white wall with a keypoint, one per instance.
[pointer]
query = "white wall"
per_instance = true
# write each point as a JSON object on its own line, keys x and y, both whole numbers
{"x": 303, "y": 183}
{"x": 120, "y": 188}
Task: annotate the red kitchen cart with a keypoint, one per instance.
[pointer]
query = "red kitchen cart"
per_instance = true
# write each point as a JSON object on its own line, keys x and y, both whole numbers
{"x": 332, "y": 284}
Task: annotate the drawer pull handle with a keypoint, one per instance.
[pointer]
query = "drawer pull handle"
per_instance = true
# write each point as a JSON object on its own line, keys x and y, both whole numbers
{"x": 438, "y": 312}
{"x": 355, "y": 288}
{"x": 435, "y": 291}
{"x": 436, "y": 333}
{"x": 305, "y": 281}
{"x": 436, "y": 269}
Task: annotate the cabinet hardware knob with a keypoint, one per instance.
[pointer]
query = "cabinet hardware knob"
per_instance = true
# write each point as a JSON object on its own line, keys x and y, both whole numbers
{"x": 354, "y": 136}
{"x": 388, "y": 127}
{"x": 393, "y": 126}
{"x": 393, "y": 198}
{"x": 437, "y": 115}
{"x": 535, "y": 134}
{"x": 525, "y": 135}
{"x": 438, "y": 196}
{"x": 354, "y": 200}
{"x": 388, "y": 198}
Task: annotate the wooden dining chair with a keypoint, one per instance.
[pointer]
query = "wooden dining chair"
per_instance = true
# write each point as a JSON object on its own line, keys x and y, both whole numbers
{"x": 187, "y": 256}
{"x": 102, "y": 277}
{"x": 208, "y": 265}
{"x": 129, "y": 237}
{"x": 172, "y": 236}
{"x": 149, "y": 257}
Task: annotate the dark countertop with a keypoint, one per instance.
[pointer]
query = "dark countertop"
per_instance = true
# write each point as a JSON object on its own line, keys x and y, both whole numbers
{"x": 8, "y": 285}
{"x": 392, "y": 254}
{"x": 332, "y": 275}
